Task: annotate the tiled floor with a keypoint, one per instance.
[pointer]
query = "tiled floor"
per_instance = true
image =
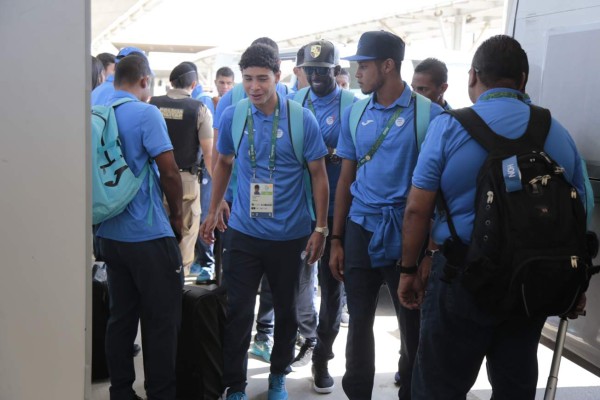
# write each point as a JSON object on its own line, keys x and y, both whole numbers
{"x": 574, "y": 383}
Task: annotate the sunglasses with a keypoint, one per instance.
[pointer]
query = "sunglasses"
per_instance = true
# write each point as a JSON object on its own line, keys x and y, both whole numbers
{"x": 321, "y": 71}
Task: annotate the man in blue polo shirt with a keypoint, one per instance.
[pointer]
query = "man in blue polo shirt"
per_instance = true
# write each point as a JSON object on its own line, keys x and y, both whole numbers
{"x": 267, "y": 231}
{"x": 102, "y": 94}
{"x": 145, "y": 275}
{"x": 456, "y": 334}
{"x": 369, "y": 203}
{"x": 326, "y": 101}
{"x": 431, "y": 80}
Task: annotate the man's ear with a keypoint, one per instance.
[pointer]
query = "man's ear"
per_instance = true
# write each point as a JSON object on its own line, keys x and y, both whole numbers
{"x": 336, "y": 70}
{"x": 144, "y": 82}
{"x": 444, "y": 87}
{"x": 473, "y": 78}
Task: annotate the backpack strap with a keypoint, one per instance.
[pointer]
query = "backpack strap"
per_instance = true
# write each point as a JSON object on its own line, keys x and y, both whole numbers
{"x": 356, "y": 113}
{"x": 296, "y": 131}
{"x": 237, "y": 131}
{"x": 300, "y": 95}
{"x": 422, "y": 116}
{"x": 237, "y": 93}
{"x": 535, "y": 134}
{"x": 589, "y": 194}
{"x": 346, "y": 99}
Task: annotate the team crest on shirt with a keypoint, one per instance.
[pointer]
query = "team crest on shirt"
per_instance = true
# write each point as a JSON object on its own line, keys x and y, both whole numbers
{"x": 279, "y": 133}
{"x": 399, "y": 121}
{"x": 315, "y": 50}
{"x": 330, "y": 120}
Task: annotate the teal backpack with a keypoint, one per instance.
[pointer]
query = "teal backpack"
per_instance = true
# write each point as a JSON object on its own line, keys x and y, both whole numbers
{"x": 422, "y": 113}
{"x": 296, "y": 130}
{"x": 113, "y": 183}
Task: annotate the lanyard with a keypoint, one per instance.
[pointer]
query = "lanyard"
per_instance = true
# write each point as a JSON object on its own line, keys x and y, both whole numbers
{"x": 250, "y": 123}
{"x": 380, "y": 139}
{"x": 498, "y": 95}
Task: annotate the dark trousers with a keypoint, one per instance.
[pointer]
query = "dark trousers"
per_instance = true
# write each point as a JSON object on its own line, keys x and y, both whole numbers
{"x": 363, "y": 284}
{"x": 145, "y": 281}
{"x": 330, "y": 311}
{"x": 245, "y": 261}
{"x": 456, "y": 336}
{"x": 265, "y": 315}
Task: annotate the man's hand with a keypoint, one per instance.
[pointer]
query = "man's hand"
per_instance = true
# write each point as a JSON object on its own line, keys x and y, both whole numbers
{"x": 207, "y": 229}
{"x": 177, "y": 226}
{"x": 579, "y": 308}
{"x": 223, "y": 216}
{"x": 336, "y": 260}
{"x": 315, "y": 247}
{"x": 411, "y": 291}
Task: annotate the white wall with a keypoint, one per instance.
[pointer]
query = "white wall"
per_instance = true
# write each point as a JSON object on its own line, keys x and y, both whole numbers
{"x": 44, "y": 235}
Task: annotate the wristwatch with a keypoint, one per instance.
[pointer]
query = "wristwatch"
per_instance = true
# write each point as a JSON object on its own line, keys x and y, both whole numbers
{"x": 430, "y": 253}
{"x": 323, "y": 230}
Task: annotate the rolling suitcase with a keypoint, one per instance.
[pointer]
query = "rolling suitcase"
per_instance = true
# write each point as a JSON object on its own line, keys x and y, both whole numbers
{"x": 558, "y": 349}
{"x": 199, "y": 352}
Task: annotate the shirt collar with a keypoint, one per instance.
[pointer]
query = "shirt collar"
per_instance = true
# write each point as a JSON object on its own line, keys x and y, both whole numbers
{"x": 281, "y": 105}
{"x": 328, "y": 98}
{"x": 178, "y": 93}
{"x": 402, "y": 101}
{"x": 499, "y": 90}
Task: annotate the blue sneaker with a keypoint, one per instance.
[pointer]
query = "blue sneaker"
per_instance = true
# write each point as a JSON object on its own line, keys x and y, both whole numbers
{"x": 262, "y": 349}
{"x": 205, "y": 276}
{"x": 277, "y": 387}
{"x": 195, "y": 269}
{"x": 237, "y": 396}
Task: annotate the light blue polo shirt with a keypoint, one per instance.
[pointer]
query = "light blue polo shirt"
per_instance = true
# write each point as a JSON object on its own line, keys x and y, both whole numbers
{"x": 102, "y": 94}
{"x": 327, "y": 109}
{"x": 143, "y": 134}
{"x": 451, "y": 157}
{"x": 291, "y": 214}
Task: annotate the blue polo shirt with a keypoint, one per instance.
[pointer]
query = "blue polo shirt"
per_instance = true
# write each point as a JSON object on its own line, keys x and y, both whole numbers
{"x": 451, "y": 159}
{"x": 102, "y": 94}
{"x": 143, "y": 134}
{"x": 291, "y": 214}
{"x": 328, "y": 114}
{"x": 206, "y": 99}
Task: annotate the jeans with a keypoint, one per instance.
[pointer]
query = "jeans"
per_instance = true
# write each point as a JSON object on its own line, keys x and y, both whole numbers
{"x": 245, "y": 261}
{"x": 456, "y": 336}
{"x": 145, "y": 282}
{"x": 363, "y": 283}
{"x": 205, "y": 252}
{"x": 330, "y": 311}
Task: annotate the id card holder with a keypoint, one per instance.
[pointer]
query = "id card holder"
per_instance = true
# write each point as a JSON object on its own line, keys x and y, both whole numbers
{"x": 261, "y": 200}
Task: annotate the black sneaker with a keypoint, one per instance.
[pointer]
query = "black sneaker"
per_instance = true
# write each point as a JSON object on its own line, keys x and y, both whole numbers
{"x": 305, "y": 354}
{"x": 323, "y": 382}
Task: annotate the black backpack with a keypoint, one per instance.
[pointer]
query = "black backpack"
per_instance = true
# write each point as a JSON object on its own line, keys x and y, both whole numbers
{"x": 530, "y": 253}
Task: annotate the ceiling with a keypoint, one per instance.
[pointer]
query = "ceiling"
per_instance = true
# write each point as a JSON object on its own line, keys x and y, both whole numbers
{"x": 207, "y": 31}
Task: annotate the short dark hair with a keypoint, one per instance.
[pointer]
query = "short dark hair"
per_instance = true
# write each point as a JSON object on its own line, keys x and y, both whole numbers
{"x": 224, "y": 71}
{"x": 184, "y": 75}
{"x": 268, "y": 41}
{"x": 106, "y": 59}
{"x": 130, "y": 69}
{"x": 434, "y": 67}
{"x": 501, "y": 61}
{"x": 260, "y": 55}
{"x": 97, "y": 69}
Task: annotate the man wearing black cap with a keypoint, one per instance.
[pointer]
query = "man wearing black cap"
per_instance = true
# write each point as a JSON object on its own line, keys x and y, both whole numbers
{"x": 190, "y": 128}
{"x": 326, "y": 101}
{"x": 379, "y": 153}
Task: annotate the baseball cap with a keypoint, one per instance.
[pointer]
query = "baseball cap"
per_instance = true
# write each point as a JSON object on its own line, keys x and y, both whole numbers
{"x": 321, "y": 53}
{"x": 378, "y": 45}
{"x": 125, "y": 51}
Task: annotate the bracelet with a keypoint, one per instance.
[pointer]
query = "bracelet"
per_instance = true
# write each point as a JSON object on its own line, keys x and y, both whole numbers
{"x": 406, "y": 270}
{"x": 430, "y": 253}
{"x": 336, "y": 237}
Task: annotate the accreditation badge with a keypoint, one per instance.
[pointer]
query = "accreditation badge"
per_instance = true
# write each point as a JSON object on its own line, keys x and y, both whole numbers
{"x": 261, "y": 200}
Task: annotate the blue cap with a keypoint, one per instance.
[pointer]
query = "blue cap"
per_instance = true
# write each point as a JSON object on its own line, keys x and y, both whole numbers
{"x": 125, "y": 51}
{"x": 378, "y": 45}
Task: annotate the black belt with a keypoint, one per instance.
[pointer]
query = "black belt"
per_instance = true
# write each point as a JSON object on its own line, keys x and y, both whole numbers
{"x": 192, "y": 170}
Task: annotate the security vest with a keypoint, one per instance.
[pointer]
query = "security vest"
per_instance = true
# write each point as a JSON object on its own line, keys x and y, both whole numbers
{"x": 181, "y": 116}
